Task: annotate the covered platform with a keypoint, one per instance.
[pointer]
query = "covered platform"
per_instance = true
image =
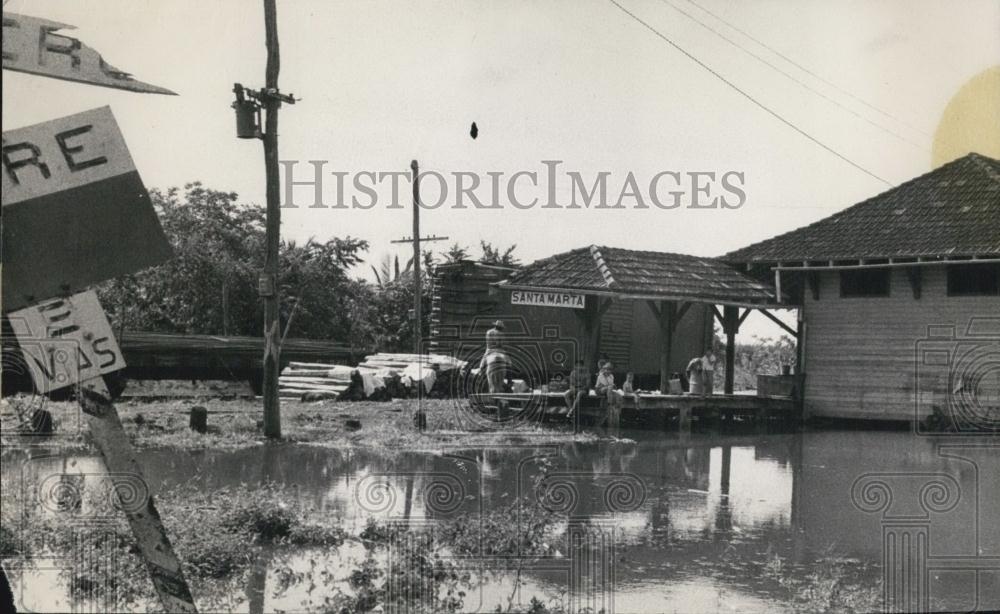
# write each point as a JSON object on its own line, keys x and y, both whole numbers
{"x": 591, "y": 279}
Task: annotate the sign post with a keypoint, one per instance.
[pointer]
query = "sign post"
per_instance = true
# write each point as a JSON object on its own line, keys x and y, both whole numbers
{"x": 75, "y": 213}
{"x": 77, "y": 329}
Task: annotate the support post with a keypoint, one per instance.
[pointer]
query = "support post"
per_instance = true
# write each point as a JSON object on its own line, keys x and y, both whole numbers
{"x": 666, "y": 315}
{"x": 730, "y": 325}
{"x": 164, "y": 567}
{"x": 269, "y": 278}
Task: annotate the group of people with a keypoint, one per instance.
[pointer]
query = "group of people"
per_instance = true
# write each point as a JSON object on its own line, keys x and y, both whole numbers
{"x": 611, "y": 396}
{"x": 700, "y": 373}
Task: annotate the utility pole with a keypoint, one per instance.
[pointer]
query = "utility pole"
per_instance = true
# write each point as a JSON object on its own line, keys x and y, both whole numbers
{"x": 269, "y": 277}
{"x": 417, "y": 299}
{"x": 415, "y": 240}
{"x": 420, "y": 420}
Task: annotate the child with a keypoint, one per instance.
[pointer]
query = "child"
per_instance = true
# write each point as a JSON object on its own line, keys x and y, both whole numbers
{"x": 629, "y": 386}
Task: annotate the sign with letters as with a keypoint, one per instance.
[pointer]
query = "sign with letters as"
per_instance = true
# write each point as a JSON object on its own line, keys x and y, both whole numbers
{"x": 571, "y": 300}
{"x": 32, "y": 45}
{"x": 75, "y": 211}
{"x": 66, "y": 341}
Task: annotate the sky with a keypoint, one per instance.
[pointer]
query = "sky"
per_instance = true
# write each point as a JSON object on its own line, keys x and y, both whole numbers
{"x": 382, "y": 83}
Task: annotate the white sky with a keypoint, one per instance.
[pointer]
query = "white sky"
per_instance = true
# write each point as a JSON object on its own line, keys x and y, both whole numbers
{"x": 579, "y": 81}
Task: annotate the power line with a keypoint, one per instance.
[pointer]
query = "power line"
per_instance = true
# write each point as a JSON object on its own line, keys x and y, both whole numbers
{"x": 746, "y": 95}
{"x": 790, "y": 76}
{"x": 807, "y": 71}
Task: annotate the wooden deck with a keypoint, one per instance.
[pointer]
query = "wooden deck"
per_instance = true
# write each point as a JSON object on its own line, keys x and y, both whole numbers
{"x": 662, "y": 409}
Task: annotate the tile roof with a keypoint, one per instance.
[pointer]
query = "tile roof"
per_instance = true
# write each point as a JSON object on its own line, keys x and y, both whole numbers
{"x": 632, "y": 273}
{"x": 953, "y": 210}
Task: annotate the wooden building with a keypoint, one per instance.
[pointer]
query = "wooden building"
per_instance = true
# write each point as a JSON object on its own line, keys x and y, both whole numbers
{"x": 899, "y": 298}
{"x": 647, "y": 312}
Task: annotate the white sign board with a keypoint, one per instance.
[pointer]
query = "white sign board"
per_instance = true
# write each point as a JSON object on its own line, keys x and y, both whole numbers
{"x": 66, "y": 341}
{"x": 547, "y": 299}
{"x": 75, "y": 211}
{"x": 31, "y": 45}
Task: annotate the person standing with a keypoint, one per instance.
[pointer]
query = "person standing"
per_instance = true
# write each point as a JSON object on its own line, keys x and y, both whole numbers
{"x": 708, "y": 371}
{"x": 494, "y": 361}
{"x": 605, "y": 387}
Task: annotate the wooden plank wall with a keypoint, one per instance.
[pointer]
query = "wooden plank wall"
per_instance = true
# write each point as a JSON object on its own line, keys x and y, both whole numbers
{"x": 462, "y": 293}
{"x": 861, "y": 354}
{"x": 689, "y": 339}
{"x": 616, "y": 335}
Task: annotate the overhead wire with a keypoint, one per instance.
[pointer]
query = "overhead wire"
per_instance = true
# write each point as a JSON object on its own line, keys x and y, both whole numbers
{"x": 808, "y": 71}
{"x": 747, "y": 95}
{"x": 793, "y": 77}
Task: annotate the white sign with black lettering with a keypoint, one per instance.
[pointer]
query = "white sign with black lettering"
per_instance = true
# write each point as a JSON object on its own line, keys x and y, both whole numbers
{"x": 547, "y": 299}
{"x": 33, "y": 45}
{"x": 66, "y": 341}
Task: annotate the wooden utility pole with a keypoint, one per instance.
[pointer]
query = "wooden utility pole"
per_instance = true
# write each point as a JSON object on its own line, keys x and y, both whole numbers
{"x": 419, "y": 419}
{"x": 415, "y": 240}
{"x": 417, "y": 299}
{"x": 269, "y": 277}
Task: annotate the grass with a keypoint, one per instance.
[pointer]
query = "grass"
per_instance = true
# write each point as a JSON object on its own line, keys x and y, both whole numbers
{"x": 218, "y": 536}
{"x": 237, "y": 424}
{"x": 831, "y": 584}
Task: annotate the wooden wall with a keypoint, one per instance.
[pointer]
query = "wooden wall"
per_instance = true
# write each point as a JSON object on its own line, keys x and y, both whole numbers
{"x": 861, "y": 354}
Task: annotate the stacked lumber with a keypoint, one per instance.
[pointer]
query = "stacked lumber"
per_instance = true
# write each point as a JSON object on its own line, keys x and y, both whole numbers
{"x": 299, "y": 378}
{"x": 374, "y": 374}
{"x": 384, "y": 360}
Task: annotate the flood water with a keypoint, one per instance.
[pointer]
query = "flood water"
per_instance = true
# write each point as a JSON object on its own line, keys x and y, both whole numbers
{"x": 685, "y": 523}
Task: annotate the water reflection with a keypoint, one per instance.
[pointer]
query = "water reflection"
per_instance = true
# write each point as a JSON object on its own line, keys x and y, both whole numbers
{"x": 696, "y": 521}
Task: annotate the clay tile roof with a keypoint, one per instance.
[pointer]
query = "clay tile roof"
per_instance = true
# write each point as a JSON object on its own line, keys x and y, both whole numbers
{"x": 612, "y": 270}
{"x": 953, "y": 210}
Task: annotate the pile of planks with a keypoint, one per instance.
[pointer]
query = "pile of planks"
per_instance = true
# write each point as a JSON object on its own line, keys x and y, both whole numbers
{"x": 319, "y": 380}
{"x": 300, "y": 378}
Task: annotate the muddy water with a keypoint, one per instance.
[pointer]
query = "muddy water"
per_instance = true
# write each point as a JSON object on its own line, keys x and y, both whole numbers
{"x": 699, "y": 523}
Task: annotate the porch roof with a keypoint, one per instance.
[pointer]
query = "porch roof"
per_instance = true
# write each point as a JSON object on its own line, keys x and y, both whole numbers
{"x": 634, "y": 274}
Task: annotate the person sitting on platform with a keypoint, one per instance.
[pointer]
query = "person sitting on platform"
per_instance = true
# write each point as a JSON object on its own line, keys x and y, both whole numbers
{"x": 605, "y": 389}
{"x": 628, "y": 388}
{"x": 579, "y": 387}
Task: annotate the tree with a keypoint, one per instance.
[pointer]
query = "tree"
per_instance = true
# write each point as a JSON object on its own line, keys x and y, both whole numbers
{"x": 209, "y": 286}
{"x": 315, "y": 285}
{"x": 497, "y": 255}
{"x": 456, "y": 253}
{"x": 389, "y": 270}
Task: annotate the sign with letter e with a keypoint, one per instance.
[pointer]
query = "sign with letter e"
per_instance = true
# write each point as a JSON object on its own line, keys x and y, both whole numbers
{"x": 75, "y": 211}
{"x": 66, "y": 341}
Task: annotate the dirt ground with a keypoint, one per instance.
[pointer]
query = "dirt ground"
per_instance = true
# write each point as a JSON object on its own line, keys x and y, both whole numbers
{"x": 238, "y": 423}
